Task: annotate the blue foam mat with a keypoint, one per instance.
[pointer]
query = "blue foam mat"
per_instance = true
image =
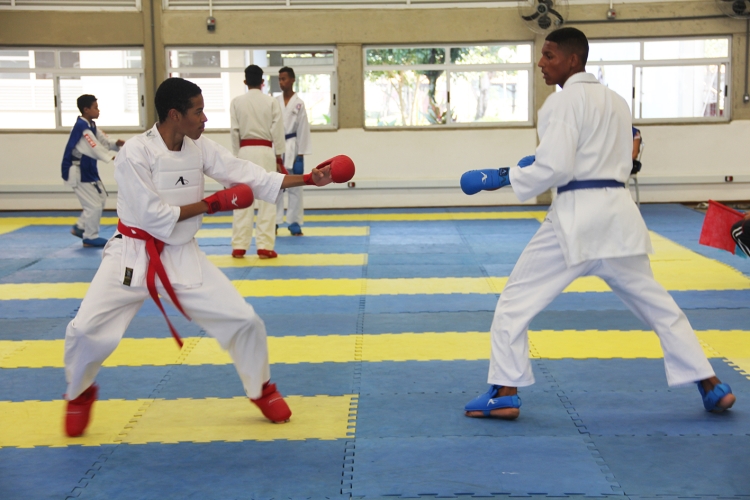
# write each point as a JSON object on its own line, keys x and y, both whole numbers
{"x": 478, "y": 466}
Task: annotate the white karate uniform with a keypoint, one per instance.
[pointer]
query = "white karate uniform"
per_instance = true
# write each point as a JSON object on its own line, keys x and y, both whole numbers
{"x": 153, "y": 183}
{"x": 584, "y": 134}
{"x": 92, "y": 195}
{"x": 295, "y": 122}
{"x": 255, "y": 115}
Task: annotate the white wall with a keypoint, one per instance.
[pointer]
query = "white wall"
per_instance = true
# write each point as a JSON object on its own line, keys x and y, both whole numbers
{"x": 422, "y": 167}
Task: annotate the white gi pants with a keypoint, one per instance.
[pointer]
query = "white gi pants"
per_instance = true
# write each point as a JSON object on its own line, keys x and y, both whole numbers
{"x": 109, "y": 306}
{"x": 242, "y": 222}
{"x": 295, "y": 210}
{"x": 541, "y": 274}
{"x": 92, "y": 196}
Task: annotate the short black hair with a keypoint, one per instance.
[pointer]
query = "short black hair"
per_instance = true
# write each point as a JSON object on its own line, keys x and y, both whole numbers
{"x": 572, "y": 41}
{"x": 287, "y": 70}
{"x": 253, "y": 76}
{"x": 174, "y": 93}
{"x": 85, "y": 101}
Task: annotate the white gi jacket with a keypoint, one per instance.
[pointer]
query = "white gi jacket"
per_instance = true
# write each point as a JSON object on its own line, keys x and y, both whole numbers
{"x": 255, "y": 115}
{"x": 98, "y": 146}
{"x": 585, "y": 133}
{"x": 153, "y": 182}
{"x": 295, "y": 122}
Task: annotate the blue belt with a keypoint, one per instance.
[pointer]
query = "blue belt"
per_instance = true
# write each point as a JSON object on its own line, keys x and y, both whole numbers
{"x": 591, "y": 184}
{"x": 289, "y": 136}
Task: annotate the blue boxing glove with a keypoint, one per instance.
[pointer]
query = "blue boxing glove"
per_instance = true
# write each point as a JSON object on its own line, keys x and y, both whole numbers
{"x": 526, "y": 161}
{"x": 488, "y": 179}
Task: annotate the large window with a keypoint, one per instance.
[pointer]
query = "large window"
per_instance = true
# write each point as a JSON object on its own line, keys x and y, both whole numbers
{"x": 666, "y": 79}
{"x": 39, "y": 87}
{"x": 219, "y": 72}
{"x": 450, "y": 85}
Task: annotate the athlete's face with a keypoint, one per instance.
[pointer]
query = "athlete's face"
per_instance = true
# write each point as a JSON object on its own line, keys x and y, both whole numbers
{"x": 193, "y": 121}
{"x": 92, "y": 113}
{"x": 557, "y": 65}
{"x": 286, "y": 82}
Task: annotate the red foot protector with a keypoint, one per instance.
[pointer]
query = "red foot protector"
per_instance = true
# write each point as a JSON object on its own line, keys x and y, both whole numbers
{"x": 272, "y": 404}
{"x": 79, "y": 411}
{"x": 717, "y": 226}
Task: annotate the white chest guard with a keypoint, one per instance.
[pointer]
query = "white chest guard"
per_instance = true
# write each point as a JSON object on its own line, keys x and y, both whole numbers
{"x": 179, "y": 181}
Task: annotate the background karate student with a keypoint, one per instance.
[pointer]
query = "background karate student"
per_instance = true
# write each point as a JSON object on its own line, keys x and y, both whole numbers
{"x": 86, "y": 145}
{"x": 257, "y": 135}
{"x": 297, "y": 136}
{"x": 593, "y": 228}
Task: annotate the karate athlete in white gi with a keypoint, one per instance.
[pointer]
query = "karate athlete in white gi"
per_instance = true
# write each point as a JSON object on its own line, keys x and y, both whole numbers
{"x": 257, "y": 135}
{"x": 161, "y": 205}
{"x": 593, "y": 228}
{"x": 297, "y": 136}
{"x": 85, "y": 146}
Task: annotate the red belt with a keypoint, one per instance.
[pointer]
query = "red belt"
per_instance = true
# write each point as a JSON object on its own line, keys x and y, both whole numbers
{"x": 155, "y": 268}
{"x": 255, "y": 142}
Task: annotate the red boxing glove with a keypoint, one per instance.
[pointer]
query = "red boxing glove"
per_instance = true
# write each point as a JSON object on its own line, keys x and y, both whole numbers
{"x": 238, "y": 196}
{"x": 282, "y": 168}
{"x": 342, "y": 169}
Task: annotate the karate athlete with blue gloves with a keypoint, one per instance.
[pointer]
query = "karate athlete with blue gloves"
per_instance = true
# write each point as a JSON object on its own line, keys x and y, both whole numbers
{"x": 593, "y": 228}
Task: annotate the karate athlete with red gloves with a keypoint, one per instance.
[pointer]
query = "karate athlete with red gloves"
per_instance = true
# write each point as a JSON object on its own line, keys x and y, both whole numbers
{"x": 593, "y": 228}
{"x": 161, "y": 204}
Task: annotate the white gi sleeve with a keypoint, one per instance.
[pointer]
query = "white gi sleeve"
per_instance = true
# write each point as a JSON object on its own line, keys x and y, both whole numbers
{"x": 142, "y": 206}
{"x": 303, "y": 132}
{"x": 226, "y": 169}
{"x": 277, "y": 129}
{"x": 105, "y": 141}
{"x": 234, "y": 126}
{"x": 90, "y": 146}
{"x": 556, "y": 154}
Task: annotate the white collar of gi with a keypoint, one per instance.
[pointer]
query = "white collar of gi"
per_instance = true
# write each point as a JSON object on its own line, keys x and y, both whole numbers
{"x": 581, "y": 77}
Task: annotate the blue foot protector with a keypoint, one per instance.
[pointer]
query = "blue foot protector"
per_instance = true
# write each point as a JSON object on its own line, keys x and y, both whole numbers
{"x": 295, "y": 229}
{"x": 711, "y": 399}
{"x": 96, "y": 242}
{"x": 488, "y": 402}
{"x": 76, "y": 231}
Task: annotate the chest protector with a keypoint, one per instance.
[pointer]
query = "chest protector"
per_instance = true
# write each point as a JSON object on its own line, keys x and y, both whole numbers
{"x": 178, "y": 177}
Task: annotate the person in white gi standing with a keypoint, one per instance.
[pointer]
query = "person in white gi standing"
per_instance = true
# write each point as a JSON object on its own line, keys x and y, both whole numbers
{"x": 297, "y": 136}
{"x": 257, "y": 135}
{"x": 160, "y": 204}
{"x": 593, "y": 228}
{"x": 85, "y": 146}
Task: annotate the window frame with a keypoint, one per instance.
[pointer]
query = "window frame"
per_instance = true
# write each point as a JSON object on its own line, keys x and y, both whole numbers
{"x": 267, "y": 71}
{"x": 456, "y": 68}
{"x": 637, "y": 82}
{"x": 58, "y": 71}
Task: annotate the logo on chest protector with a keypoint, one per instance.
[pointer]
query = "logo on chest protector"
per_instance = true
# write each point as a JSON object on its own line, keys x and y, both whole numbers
{"x": 182, "y": 181}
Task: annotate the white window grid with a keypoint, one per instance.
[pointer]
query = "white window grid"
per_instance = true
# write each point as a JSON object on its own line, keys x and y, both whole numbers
{"x": 268, "y": 71}
{"x": 57, "y": 72}
{"x": 330, "y": 4}
{"x": 449, "y": 67}
{"x": 72, "y": 5}
{"x": 640, "y": 63}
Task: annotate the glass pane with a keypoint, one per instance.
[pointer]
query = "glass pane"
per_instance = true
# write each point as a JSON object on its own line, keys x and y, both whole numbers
{"x": 682, "y": 91}
{"x": 405, "y": 98}
{"x": 218, "y": 92}
{"x": 491, "y": 54}
{"x": 617, "y": 77}
{"x": 490, "y": 96}
{"x": 404, "y": 57}
{"x": 25, "y": 102}
{"x": 292, "y": 58}
{"x": 15, "y": 58}
{"x": 315, "y": 92}
{"x": 118, "y": 99}
{"x": 614, "y": 51}
{"x": 686, "y": 49}
{"x": 95, "y": 59}
{"x": 196, "y": 59}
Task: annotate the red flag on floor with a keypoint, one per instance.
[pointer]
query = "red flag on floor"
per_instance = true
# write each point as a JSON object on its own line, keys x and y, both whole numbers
{"x": 717, "y": 226}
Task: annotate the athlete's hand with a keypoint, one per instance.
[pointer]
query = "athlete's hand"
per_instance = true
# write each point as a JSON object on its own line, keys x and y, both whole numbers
{"x": 338, "y": 169}
{"x": 280, "y": 168}
{"x": 489, "y": 179}
{"x": 239, "y": 196}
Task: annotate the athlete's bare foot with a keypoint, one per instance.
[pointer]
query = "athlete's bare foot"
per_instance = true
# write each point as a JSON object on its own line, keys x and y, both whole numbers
{"x": 724, "y": 403}
{"x": 501, "y": 413}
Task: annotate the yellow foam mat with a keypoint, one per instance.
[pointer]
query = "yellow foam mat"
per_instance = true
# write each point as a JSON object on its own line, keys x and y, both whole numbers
{"x": 445, "y": 346}
{"x": 285, "y": 260}
{"x": 283, "y": 233}
{"x": 40, "y": 423}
